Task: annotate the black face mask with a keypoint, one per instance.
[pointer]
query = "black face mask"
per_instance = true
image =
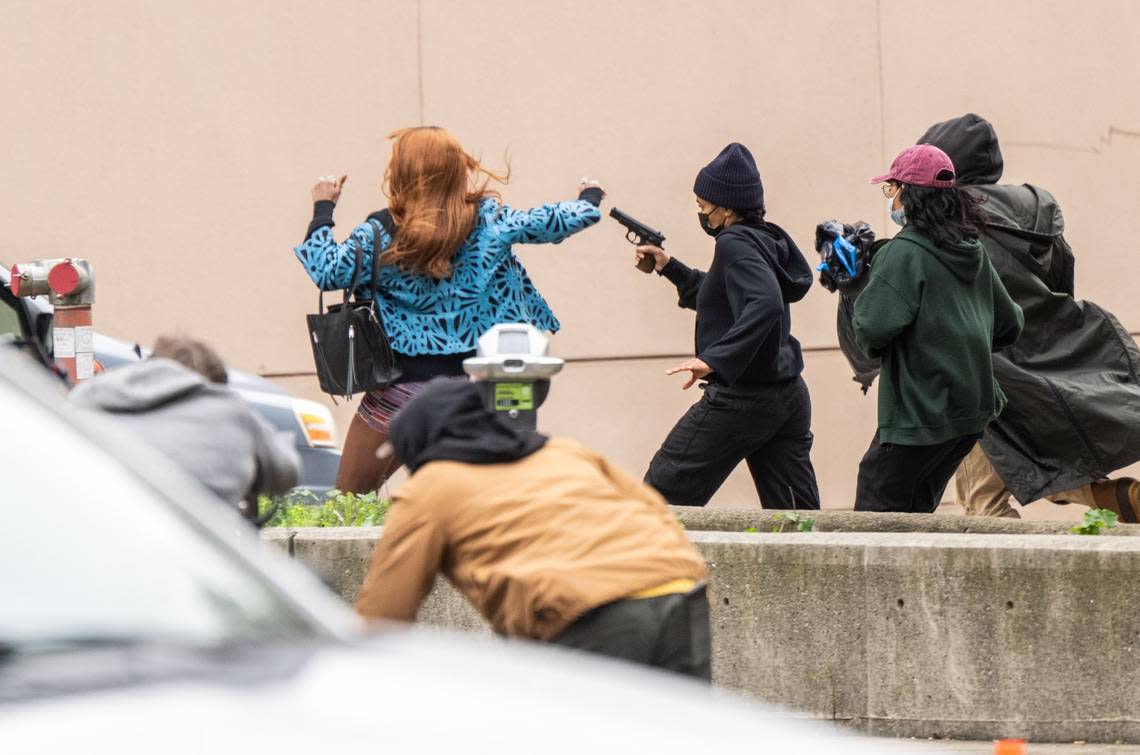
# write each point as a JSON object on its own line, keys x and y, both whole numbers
{"x": 704, "y": 218}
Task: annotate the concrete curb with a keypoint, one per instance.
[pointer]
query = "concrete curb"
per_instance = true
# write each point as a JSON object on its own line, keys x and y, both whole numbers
{"x": 907, "y": 634}
{"x": 737, "y": 520}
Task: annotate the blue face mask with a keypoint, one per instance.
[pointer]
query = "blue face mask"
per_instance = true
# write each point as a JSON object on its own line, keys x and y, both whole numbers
{"x": 899, "y": 215}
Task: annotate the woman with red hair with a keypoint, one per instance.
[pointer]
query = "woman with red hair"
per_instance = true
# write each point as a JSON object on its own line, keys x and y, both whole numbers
{"x": 447, "y": 271}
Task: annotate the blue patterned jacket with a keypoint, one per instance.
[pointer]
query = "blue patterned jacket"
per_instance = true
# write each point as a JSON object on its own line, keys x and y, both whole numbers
{"x": 488, "y": 284}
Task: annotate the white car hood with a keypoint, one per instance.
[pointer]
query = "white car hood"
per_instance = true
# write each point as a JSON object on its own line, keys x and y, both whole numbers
{"x": 420, "y": 692}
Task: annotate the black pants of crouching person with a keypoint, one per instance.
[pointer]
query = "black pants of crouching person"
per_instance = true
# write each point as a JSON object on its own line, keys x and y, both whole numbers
{"x": 768, "y": 427}
{"x": 912, "y": 479}
{"x": 669, "y": 632}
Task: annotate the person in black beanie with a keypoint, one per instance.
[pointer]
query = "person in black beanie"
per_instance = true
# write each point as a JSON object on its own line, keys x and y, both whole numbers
{"x": 756, "y": 407}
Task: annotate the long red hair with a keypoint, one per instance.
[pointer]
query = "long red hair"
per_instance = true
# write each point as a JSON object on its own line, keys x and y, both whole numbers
{"x": 433, "y": 188}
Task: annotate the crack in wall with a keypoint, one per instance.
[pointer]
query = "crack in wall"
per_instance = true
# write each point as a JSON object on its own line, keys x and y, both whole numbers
{"x": 1095, "y": 149}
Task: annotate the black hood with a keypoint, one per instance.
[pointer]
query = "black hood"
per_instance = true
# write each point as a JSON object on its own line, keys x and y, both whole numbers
{"x": 447, "y": 422}
{"x": 972, "y": 145}
{"x": 792, "y": 271}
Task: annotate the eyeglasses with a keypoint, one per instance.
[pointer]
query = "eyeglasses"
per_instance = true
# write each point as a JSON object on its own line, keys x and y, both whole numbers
{"x": 890, "y": 190}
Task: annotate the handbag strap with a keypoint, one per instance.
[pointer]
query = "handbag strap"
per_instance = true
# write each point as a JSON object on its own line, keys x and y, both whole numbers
{"x": 357, "y": 264}
{"x": 357, "y": 255}
{"x": 383, "y": 219}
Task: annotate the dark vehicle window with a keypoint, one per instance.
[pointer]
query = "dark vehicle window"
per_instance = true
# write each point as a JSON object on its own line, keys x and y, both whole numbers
{"x": 90, "y": 551}
{"x": 16, "y": 325}
{"x": 11, "y": 327}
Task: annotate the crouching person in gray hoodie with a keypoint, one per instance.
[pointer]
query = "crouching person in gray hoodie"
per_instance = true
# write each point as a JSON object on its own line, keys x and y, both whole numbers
{"x": 178, "y": 403}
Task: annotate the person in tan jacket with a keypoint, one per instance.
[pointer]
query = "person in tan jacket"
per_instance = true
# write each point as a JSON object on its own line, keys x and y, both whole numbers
{"x": 546, "y": 538}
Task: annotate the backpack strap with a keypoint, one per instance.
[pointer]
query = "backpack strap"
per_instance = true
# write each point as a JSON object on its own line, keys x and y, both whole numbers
{"x": 385, "y": 218}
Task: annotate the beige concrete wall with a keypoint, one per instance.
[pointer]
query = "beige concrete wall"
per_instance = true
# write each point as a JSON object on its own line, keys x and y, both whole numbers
{"x": 174, "y": 144}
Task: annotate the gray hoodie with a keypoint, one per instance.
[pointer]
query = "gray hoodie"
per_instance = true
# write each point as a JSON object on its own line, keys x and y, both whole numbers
{"x": 204, "y": 427}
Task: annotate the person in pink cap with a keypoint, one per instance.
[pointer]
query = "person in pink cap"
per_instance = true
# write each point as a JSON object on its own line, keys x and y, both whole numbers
{"x": 934, "y": 310}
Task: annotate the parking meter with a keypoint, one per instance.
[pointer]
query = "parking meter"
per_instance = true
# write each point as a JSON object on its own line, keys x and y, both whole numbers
{"x": 512, "y": 371}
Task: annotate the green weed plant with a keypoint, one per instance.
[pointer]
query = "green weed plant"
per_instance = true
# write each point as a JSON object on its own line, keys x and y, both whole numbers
{"x": 802, "y": 522}
{"x": 336, "y": 509}
{"x": 1095, "y": 521}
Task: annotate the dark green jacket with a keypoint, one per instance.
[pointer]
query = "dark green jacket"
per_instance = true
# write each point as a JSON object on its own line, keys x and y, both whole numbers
{"x": 934, "y": 315}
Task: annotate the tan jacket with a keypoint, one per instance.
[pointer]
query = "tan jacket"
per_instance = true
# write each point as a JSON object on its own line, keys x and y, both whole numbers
{"x": 533, "y": 544}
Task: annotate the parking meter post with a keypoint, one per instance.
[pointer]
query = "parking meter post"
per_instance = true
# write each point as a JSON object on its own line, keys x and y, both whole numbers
{"x": 70, "y": 286}
{"x": 512, "y": 371}
{"x": 72, "y": 294}
{"x": 74, "y": 342}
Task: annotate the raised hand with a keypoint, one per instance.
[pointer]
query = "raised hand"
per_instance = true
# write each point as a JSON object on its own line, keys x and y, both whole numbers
{"x": 327, "y": 188}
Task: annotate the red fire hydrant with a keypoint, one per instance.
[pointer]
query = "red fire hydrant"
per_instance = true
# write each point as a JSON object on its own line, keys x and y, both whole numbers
{"x": 70, "y": 285}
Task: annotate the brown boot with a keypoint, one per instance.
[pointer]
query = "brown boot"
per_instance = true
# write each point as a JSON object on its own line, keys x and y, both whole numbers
{"x": 1120, "y": 496}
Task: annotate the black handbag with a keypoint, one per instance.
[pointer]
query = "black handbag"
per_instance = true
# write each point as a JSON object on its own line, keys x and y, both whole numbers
{"x": 350, "y": 348}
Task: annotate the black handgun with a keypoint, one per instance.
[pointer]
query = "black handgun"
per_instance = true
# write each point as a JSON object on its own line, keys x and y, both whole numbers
{"x": 639, "y": 233}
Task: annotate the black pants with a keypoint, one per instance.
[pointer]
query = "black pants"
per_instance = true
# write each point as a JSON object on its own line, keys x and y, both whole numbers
{"x": 908, "y": 478}
{"x": 769, "y": 428}
{"x": 669, "y": 632}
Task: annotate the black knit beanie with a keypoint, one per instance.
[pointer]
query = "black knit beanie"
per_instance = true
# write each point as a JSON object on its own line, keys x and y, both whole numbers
{"x": 731, "y": 180}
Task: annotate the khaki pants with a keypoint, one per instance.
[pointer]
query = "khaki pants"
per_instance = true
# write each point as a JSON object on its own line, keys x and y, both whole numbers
{"x": 982, "y": 493}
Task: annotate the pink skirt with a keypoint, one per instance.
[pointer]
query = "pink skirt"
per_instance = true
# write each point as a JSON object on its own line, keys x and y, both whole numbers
{"x": 378, "y": 408}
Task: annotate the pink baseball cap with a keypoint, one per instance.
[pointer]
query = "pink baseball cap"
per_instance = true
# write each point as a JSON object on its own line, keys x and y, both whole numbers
{"x": 921, "y": 165}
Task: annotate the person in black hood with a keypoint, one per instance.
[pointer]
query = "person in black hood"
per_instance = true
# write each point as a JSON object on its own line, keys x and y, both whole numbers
{"x": 455, "y": 426}
{"x": 547, "y": 539}
{"x": 1071, "y": 380}
{"x": 756, "y": 407}
{"x": 973, "y": 147}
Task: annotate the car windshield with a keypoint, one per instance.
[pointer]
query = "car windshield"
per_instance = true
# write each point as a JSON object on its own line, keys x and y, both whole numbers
{"x": 91, "y": 555}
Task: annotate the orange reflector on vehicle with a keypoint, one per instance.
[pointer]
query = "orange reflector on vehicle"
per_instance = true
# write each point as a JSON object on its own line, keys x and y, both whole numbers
{"x": 316, "y": 428}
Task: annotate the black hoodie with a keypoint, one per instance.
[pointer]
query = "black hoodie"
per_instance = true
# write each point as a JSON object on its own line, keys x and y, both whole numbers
{"x": 744, "y": 321}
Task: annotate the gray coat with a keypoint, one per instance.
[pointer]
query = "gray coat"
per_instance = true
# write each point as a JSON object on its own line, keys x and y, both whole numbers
{"x": 206, "y": 428}
{"x": 1073, "y": 378}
